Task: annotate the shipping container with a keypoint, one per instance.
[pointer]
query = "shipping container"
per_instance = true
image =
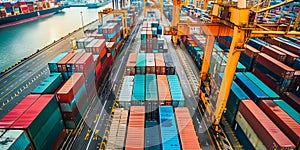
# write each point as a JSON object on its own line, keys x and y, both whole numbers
{"x": 62, "y": 64}
{"x": 131, "y": 64}
{"x": 13, "y": 140}
{"x": 292, "y": 100}
{"x": 53, "y": 63}
{"x": 168, "y": 129}
{"x": 248, "y": 57}
{"x": 150, "y": 63}
{"x": 17, "y": 111}
{"x": 262, "y": 86}
{"x": 288, "y": 109}
{"x": 170, "y": 67}
{"x": 287, "y": 125}
{"x": 141, "y": 64}
{"x": 126, "y": 92}
{"x": 276, "y": 66}
{"x": 135, "y": 130}
{"x": 84, "y": 62}
{"x": 252, "y": 90}
{"x": 187, "y": 134}
{"x": 116, "y": 137}
{"x": 164, "y": 95}
{"x": 71, "y": 63}
{"x": 160, "y": 64}
{"x": 67, "y": 92}
{"x": 256, "y": 44}
{"x": 251, "y": 140}
{"x": 138, "y": 94}
{"x": 266, "y": 130}
{"x": 276, "y": 54}
{"x": 49, "y": 85}
{"x": 176, "y": 91}
{"x": 151, "y": 102}
{"x": 290, "y": 57}
{"x": 152, "y": 140}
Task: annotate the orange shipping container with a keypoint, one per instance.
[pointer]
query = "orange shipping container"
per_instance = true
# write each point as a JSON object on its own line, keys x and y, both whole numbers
{"x": 62, "y": 63}
{"x": 130, "y": 66}
{"x": 160, "y": 64}
{"x": 99, "y": 48}
{"x": 67, "y": 92}
{"x": 135, "y": 131}
{"x": 164, "y": 95}
{"x": 187, "y": 134}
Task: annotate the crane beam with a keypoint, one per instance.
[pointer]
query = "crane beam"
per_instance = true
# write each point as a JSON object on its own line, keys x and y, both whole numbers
{"x": 274, "y": 6}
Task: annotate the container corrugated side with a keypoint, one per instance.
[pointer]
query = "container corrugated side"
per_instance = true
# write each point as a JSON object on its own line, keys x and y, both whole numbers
{"x": 18, "y": 111}
{"x": 164, "y": 95}
{"x": 49, "y": 85}
{"x": 14, "y": 140}
{"x": 168, "y": 129}
{"x": 269, "y": 133}
{"x": 152, "y": 140}
{"x": 176, "y": 91}
{"x": 126, "y": 92}
{"x": 138, "y": 95}
{"x": 287, "y": 125}
{"x": 53, "y": 63}
{"x": 288, "y": 109}
{"x": 67, "y": 92}
{"x": 187, "y": 134}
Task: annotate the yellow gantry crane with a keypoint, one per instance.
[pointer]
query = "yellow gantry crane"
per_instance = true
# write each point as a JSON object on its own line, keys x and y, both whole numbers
{"x": 118, "y": 12}
{"x": 157, "y": 6}
{"x": 227, "y": 20}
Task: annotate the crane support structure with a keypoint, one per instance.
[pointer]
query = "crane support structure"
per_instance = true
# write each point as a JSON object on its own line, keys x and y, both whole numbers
{"x": 157, "y": 6}
{"x": 118, "y": 12}
{"x": 274, "y": 6}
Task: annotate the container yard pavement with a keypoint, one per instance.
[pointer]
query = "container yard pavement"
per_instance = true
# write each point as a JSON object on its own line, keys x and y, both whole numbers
{"x": 19, "y": 82}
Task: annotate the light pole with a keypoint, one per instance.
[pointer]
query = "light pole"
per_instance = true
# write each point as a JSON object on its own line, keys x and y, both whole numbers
{"x": 82, "y": 22}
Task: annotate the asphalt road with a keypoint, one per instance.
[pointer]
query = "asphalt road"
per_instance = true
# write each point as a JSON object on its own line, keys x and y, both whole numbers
{"x": 19, "y": 82}
{"x": 97, "y": 122}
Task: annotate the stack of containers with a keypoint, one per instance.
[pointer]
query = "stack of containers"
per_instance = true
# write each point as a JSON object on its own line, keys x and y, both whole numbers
{"x": 83, "y": 42}
{"x": 151, "y": 97}
{"x": 150, "y": 63}
{"x": 152, "y": 140}
{"x": 160, "y": 64}
{"x": 72, "y": 98}
{"x": 131, "y": 64}
{"x": 138, "y": 95}
{"x": 275, "y": 74}
{"x": 116, "y": 138}
{"x": 164, "y": 95}
{"x": 143, "y": 40}
{"x": 285, "y": 44}
{"x": 262, "y": 133}
{"x": 292, "y": 99}
{"x": 170, "y": 67}
{"x": 176, "y": 91}
{"x": 62, "y": 65}
{"x": 248, "y": 57}
{"x": 49, "y": 85}
{"x": 52, "y": 65}
{"x": 149, "y": 40}
{"x": 86, "y": 66}
{"x": 187, "y": 134}
{"x": 287, "y": 124}
{"x": 135, "y": 130}
{"x": 141, "y": 64}
{"x": 39, "y": 117}
{"x": 126, "y": 92}
{"x": 70, "y": 65}
{"x": 168, "y": 129}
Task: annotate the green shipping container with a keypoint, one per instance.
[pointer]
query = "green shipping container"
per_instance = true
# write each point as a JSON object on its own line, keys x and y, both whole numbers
{"x": 288, "y": 109}
{"x": 138, "y": 95}
{"x": 141, "y": 63}
{"x": 13, "y": 139}
{"x": 53, "y": 63}
{"x": 49, "y": 85}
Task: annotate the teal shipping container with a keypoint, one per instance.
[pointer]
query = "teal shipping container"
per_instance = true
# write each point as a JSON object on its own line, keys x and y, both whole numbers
{"x": 288, "y": 109}
{"x": 53, "y": 63}
{"x": 49, "y": 85}
{"x": 262, "y": 86}
{"x": 151, "y": 97}
{"x": 176, "y": 91}
{"x": 138, "y": 95}
{"x": 13, "y": 139}
{"x": 67, "y": 107}
{"x": 152, "y": 140}
{"x": 141, "y": 63}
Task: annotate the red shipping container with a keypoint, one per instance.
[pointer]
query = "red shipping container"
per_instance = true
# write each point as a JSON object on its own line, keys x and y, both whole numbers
{"x": 30, "y": 7}
{"x": 109, "y": 59}
{"x": 131, "y": 64}
{"x": 17, "y": 111}
{"x": 32, "y": 112}
{"x": 135, "y": 130}
{"x": 266, "y": 130}
{"x": 72, "y": 61}
{"x": 84, "y": 62}
{"x": 164, "y": 94}
{"x": 269, "y": 82}
{"x": 110, "y": 46}
{"x": 287, "y": 124}
{"x": 274, "y": 53}
{"x": 290, "y": 57}
{"x": 292, "y": 99}
{"x": 276, "y": 66}
{"x": 187, "y": 134}
{"x": 251, "y": 51}
{"x": 97, "y": 69}
{"x": 290, "y": 47}
{"x": 67, "y": 92}
{"x": 99, "y": 48}
{"x": 160, "y": 68}
{"x": 60, "y": 139}
{"x": 274, "y": 41}
{"x": 62, "y": 64}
